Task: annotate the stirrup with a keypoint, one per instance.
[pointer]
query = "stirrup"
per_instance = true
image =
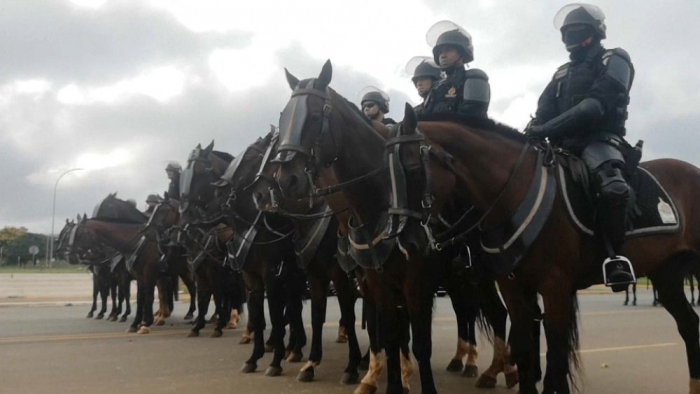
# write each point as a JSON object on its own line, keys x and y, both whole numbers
{"x": 618, "y": 260}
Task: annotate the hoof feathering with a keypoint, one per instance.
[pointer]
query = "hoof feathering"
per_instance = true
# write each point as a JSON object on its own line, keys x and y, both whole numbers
{"x": 364, "y": 388}
{"x": 144, "y": 330}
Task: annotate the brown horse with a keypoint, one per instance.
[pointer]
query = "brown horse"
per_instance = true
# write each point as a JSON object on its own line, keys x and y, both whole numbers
{"x": 562, "y": 259}
{"x": 315, "y": 244}
{"x": 327, "y": 147}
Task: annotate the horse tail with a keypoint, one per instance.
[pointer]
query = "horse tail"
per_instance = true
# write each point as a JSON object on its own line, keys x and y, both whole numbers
{"x": 572, "y": 344}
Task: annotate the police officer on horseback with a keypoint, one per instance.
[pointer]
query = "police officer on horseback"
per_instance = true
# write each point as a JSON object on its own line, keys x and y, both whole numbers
{"x": 425, "y": 74}
{"x": 375, "y": 105}
{"x": 583, "y": 109}
{"x": 464, "y": 91}
{"x": 152, "y": 200}
{"x": 173, "y": 169}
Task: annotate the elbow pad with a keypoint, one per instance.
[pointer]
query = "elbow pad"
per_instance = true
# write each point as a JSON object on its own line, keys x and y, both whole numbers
{"x": 476, "y": 86}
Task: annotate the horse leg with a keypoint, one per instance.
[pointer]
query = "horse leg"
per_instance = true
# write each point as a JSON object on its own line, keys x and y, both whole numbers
{"x": 95, "y": 292}
{"x": 151, "y": 273}
{"x": 318, "y": 285}
{"x": 276, "y": 304}
{"x": 627, "y": 295}
{"x": 393, "y": 336}
{"x": 634, "y": 293}
{"x": 191, "y": 290}
{"x": 164, "y": 285}
{"x": 346, "y": 298}
{"x": 140, "y": 305}
{"x": 104, "y": 294}
{"x": 113, "y": 296}
{"x": 377, "y": 361}
{"x": 561, "y": 329}
{"x": 203, "y": 297}
{"x": 295, "y": 309}
{"x": 669, "y": 284}
{"x": 420, "y": 310}
{"x": 256, "y": 316}
{"x": 692, "y": 290}
{"x": 126, "y": 291}
{"x": 521, "y": 338}
{"x": 221, "y": 291}
{"x": 457, "y": 364}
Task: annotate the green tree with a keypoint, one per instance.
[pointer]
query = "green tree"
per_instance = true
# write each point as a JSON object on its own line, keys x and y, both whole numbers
{"x": 16, "y": 242}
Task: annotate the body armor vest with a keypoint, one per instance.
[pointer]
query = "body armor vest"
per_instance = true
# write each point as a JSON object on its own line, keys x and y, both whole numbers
{"x": 447, "y": 93}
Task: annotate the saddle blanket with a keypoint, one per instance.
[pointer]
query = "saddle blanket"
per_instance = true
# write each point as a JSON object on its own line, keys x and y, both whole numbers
{"x": 654, "y": 211}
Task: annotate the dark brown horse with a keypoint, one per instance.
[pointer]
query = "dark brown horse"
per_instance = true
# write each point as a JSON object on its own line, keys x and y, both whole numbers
{"x": 563, "y": 259}
{"x": 268, "y": 264}
{"x": 327, "y": 147}
{"x": 315, "y": 242}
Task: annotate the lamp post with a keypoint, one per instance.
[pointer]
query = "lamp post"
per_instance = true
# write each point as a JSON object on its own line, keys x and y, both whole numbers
{"x": 49, "y": 252}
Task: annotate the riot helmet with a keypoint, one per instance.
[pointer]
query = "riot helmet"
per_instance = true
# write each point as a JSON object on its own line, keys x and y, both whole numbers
{"x": 174, "y": 167}
{"x": 371, "y": 94}
{"x": 578, "y": 22}
{"x": 153, "y": 199}
{"x": 446, "y": 33}
{"x": 422, "y": 67}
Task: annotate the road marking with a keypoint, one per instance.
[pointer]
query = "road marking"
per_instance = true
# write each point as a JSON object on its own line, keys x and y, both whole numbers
{"x": 73, "y": 337}
{"x": 621, "y": 348}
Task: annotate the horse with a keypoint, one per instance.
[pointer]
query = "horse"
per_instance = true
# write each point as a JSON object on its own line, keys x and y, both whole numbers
{"x": 561, "y": 258}
{"x": 327, "y": 147}
{"x": 268, "y": 265}
{"x": 124, "y": 237}
{"x": 315, "y": 244}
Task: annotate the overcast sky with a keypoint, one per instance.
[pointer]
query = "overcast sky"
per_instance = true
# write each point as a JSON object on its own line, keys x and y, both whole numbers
{"x": 122, "y": 87}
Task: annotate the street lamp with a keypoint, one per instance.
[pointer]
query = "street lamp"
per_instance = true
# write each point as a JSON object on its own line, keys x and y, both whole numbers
{"x": 49, "y": 251}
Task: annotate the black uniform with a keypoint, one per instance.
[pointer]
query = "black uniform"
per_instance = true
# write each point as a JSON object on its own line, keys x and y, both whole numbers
{"x": 174, "y": 188}
{"x": 584, "y": 109}
{"x": 463, "y": 91}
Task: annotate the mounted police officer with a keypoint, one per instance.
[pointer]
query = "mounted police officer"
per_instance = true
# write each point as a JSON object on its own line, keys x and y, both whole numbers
{"x": 375, "y": 105}
{"x": 583, "y": 109}
{"x": 152, "y": 200}
{"x": 463, "y": 91}
{"x": 425, "y": 74}
{"x": 173, "y": 169}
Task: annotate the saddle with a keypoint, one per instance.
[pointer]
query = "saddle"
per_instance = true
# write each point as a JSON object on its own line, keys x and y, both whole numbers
{"x": 650, "y": 210}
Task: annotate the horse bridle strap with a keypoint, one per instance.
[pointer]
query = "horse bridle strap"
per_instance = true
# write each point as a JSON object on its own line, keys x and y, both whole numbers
{"x": 521, "y": 158}
{"x": 320, "y": 192}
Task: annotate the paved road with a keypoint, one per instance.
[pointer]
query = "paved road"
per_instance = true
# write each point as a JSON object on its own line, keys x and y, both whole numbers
{"x": 56, "y": 350}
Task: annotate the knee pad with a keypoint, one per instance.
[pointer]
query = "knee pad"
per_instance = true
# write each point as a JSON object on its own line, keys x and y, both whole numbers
{"x": 613, "y": 187}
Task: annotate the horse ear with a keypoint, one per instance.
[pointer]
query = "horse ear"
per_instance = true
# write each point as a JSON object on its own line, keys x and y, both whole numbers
{"x": 272, "y": 129}
{"x": 326, "y": 75}
{"x": 67, "y": 221}
{"x": 77, "y": 218}
{"x": 291, "y": 79}
{"x": 83, "y": 220}
{"x": 209, "y": 148}
{"x": 199, "y": 146}
{"x": 410, "y": 122}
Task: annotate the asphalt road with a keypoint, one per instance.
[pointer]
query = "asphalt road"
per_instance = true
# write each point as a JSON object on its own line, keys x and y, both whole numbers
{"x": 55, "y": 349}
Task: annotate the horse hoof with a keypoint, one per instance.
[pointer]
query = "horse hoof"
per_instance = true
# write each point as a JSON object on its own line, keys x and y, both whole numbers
{"x": 306, "y": 375}
{"x": 486, "y": 381}
{"x": 99, "y": 317}
{"x": 188, "y": 317}
{"x": 273, "y": 371}
{"x": 471, "y": 371}
{"x": 216, "y": 334}
{"x": 512, "y": 379}
{"x": 160, "y": 323}
{"x": 89, "y": 315}
{"x": 341, "y": 339}
{"x": 364, "y": 388}
{"x": 455, "y": 366}
{"x": 245, "y": 340}
{"x": 295, "y": 357}
{"x": 131, "y": 329}
{"x": 122, "y": 319}
{"x": 350, "y": 378}
{"x": 249, "y": 368}
{"x": 270, "y": 349}
{"x": 113, "y": 318}
{"x": 144, "y": 330}
{"x": 193, "y": 334}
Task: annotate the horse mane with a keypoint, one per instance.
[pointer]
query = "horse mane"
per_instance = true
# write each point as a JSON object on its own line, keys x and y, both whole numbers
{"x": 227, "y": 157}
{"x": 475, "y": 122}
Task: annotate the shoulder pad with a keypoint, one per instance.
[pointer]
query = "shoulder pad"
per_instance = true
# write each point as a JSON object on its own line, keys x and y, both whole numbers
{"x": 619, "y": 52}
{"x": 562, "y": 71}
{"x": 476, "y": 73}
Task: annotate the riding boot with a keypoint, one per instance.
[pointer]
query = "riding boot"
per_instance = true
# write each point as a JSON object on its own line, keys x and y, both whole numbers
{"x": 614, "y": 193}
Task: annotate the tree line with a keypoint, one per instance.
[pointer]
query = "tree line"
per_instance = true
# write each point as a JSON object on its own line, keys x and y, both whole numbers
{"x": 15, "y": 243}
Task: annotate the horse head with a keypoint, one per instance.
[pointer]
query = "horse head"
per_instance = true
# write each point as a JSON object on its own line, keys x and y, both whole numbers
{"x": 113, "y": 208}
{"x": 64, "y": 238}
{"x": 204, "y": 166}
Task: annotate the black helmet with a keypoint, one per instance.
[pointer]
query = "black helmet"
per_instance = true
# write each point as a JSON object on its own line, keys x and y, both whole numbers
{"x": 581, "y": 14}
{"x": 174, "y": 166}
{"x": 448, "y": 33}
{"x": 371, "y": 93}
{"x": 153, "y": 198}
{"x": 422, "y": 67}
